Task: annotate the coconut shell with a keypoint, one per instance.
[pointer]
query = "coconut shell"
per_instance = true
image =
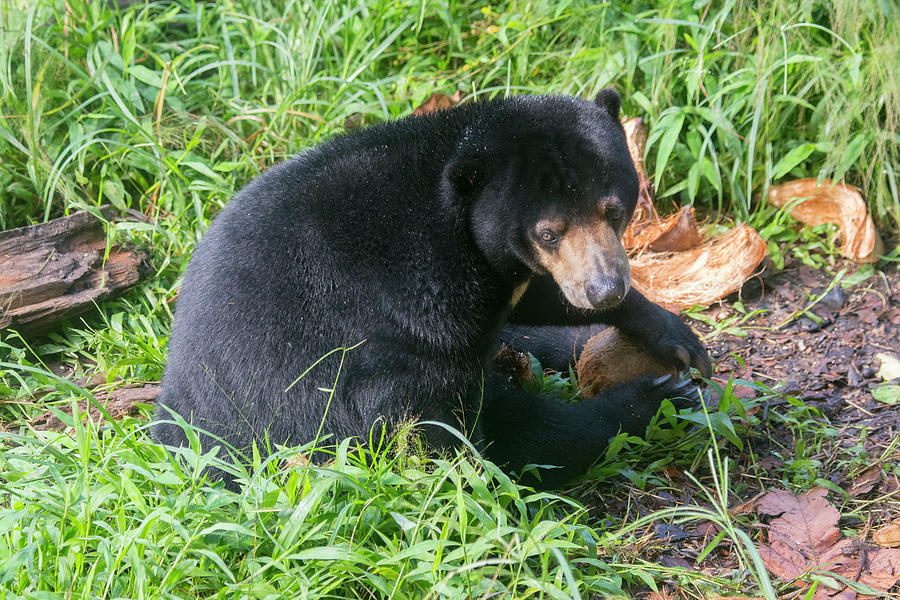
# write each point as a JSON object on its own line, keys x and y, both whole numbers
{"x": 701, "y": 275}
{"x": 681, "y": 234}
{"x": 636, "y": 136}
{"x": 841, "y": 204}
{"x": 610, "y": 358}
{"x": 673, "y": 233}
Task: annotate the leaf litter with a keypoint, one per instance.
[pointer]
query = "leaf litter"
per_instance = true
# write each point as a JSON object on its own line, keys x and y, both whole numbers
{"x": 804, "y": 543}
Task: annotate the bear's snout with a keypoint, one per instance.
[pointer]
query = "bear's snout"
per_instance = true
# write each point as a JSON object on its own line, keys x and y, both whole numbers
{"x": 590, "y": 266}
{"x": 605, "y": 292}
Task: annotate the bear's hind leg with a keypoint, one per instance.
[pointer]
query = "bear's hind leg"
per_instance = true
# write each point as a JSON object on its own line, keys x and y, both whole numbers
{"x": 523, "y": 428}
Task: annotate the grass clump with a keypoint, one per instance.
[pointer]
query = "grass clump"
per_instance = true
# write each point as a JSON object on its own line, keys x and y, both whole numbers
{"x": 106, "y": 513}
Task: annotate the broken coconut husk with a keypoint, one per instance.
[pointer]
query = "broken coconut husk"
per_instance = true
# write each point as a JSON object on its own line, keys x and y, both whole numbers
{"x": 840, "y": 204}
{"x": 636, "y": 136}
{"x": 512, "y": 364}
{"x": 610, "y": 358}
{"x": 670, "y": 264}
{"x": 701, "y": 275}
{"x": 438, "y": 101}
{"x": 673, "y": 233}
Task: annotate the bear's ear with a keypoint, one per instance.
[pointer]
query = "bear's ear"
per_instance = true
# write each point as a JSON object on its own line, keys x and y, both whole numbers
{"x": 466, "y": 175}
{"x": 609, "y": 100}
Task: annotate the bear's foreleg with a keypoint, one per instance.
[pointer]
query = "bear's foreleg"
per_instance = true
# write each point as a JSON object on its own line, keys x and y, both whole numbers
{"x": 557, "y": 347}
{"x": 662, "y": 333}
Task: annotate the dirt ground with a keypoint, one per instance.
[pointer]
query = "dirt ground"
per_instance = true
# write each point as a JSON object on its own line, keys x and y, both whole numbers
{"x": 829, "y": 363}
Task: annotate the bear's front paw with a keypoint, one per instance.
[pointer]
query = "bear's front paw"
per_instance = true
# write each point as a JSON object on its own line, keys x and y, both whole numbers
{"x": 632, "y": 405}
{"x": 679, "y": 346}
{"x": 682, "y": 392}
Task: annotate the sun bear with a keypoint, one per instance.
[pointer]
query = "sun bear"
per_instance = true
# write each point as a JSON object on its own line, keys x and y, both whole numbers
{"x": 372, "y": 276}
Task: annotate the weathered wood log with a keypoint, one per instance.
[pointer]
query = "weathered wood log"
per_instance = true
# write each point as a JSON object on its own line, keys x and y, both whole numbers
{"x": 118, "y": 403}
{"x": 58, "y": 269}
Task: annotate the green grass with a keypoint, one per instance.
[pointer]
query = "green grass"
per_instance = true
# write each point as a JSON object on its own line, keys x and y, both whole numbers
{"x": 105, "y": 512}
{"x": 168, "y": 108}
{"x": 107, "y": 515}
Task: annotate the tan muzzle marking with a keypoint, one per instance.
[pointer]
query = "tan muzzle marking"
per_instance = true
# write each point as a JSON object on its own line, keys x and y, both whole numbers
{"x": 586, "y": 254}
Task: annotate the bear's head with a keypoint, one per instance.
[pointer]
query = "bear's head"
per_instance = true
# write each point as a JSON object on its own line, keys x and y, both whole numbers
{"x": 550, "y": 187}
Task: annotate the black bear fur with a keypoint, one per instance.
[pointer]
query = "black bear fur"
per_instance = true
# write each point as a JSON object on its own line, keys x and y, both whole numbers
{"x": 412, "y": 242}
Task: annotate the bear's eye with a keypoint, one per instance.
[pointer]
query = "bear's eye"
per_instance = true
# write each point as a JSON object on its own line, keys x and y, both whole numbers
{"x": 548, "y": 237}
{"x": 615, "y": 214}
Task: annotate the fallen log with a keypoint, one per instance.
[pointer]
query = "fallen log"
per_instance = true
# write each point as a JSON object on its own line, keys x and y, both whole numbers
{"x": 118, "y": 403}
{"x": 59, "y": 269}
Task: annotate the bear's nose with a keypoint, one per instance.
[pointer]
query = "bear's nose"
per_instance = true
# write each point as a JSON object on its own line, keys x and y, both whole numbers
{"x": 605, "y": 292}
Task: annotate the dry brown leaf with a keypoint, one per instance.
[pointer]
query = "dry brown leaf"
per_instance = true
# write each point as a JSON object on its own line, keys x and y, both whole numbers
{"x": 803, "y": 533}
{"x": 636, "y": 136}
{"x": 840, "y": 204}
{"x": 805, "y": 539}
{"x": 888, "y": 536}
{"x": 610, "y": 358}
{"x": 865, "y": 482}
{"x": 438, "y": 101}
{"x": 890, "y": 485}
{"x": 701, "y": 275}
